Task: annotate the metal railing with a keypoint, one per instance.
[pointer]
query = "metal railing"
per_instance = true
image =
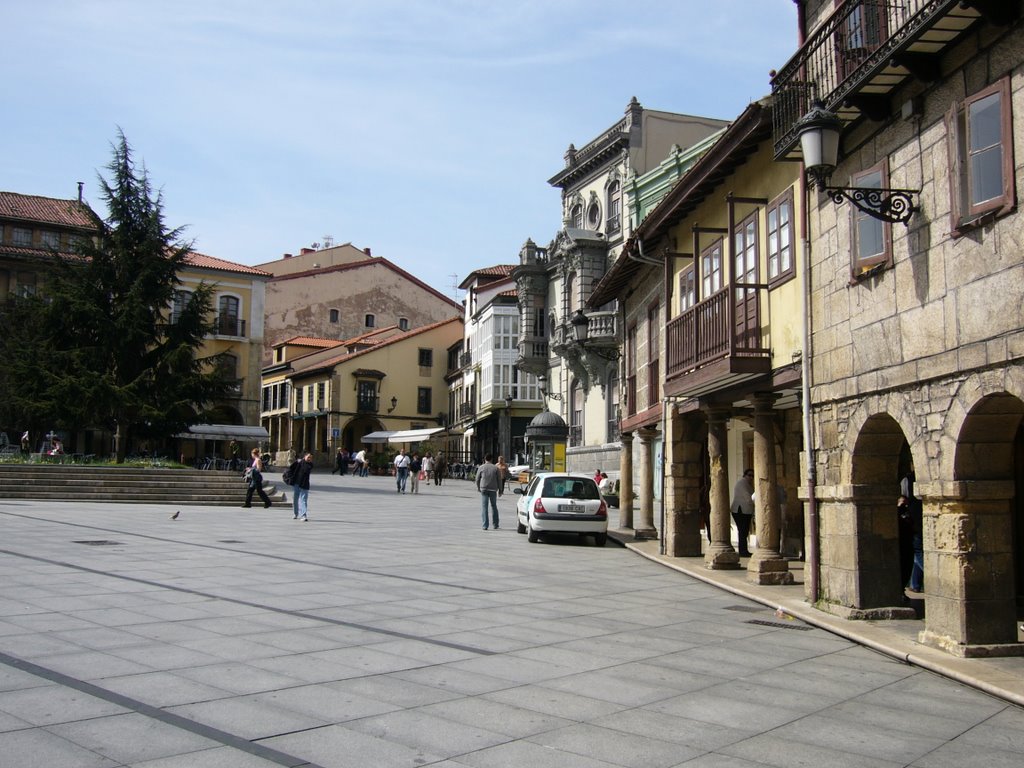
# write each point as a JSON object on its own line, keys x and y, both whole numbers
{"x": 717, "y": 327}
{"x": 229, "y": 325}
{"x": 367, "y": 404}
{"x": 859, "y": 36}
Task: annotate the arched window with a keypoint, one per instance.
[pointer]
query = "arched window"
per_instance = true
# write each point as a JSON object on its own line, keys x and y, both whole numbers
{"x": 576, "y": 216}
{"x": 228, "y": 316}
{"x": 614, "y": 208}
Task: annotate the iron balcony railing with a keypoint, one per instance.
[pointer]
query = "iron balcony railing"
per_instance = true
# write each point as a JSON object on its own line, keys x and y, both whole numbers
{"x": 717, "y": 327}
{"x": 367, "y": 404}
{"x": 466, "y": 411}
{"x": 859, "y": 38}
{"x": 229, "y": 325}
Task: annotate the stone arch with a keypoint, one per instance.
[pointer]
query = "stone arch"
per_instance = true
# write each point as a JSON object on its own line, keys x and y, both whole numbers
{"x": 876, "y": 456}
{"x": 976, "y": 546}
{"x": 866, "y": 431}
{"x": 356, "y": 428}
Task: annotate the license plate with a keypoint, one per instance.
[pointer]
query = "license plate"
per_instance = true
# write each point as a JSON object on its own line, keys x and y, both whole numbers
{"x": 571, "y": 508}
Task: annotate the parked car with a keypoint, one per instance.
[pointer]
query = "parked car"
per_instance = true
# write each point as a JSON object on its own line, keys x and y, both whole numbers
{"x": 564, "y": 503}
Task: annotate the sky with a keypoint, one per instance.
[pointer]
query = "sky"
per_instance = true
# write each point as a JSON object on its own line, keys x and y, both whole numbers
{"x": 425, "y": 130}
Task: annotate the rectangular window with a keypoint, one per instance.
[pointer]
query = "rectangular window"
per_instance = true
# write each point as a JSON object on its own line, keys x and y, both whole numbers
{"x": 780, "y": 237}
{"x": 423, "y": 400}
{"x": 49, "y": 239}
{"x": 321, "y": 396}
{"x": 426, "y": 358}
{"x": 366, "y": 397}
{"x": 21, "y": 236}
{"x": 631, "y": 370}
{"x": 333, "y": 315}
{"x": 711, "y": 269}
{"x": 981, "y": 156}
{"x": 653, "y": 355}
{"x": 871, "y": 238}
{"x": 687, "y": 289}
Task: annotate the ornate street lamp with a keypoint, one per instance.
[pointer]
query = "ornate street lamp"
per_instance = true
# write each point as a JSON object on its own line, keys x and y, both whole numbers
{"x": 819, "y": 132}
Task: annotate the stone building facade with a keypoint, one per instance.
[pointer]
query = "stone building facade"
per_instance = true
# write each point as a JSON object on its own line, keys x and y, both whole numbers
{"x": 917, "y": 328}
{"x": 710, "y": 285}
{"x": 582, "y": 381}
{"x": 341, "y": 292}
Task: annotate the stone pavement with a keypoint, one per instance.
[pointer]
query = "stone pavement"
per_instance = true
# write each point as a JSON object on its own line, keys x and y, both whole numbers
{"x": 391, "y": 631}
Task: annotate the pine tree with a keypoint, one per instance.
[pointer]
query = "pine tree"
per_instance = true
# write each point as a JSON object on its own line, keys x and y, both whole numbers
{"x": 115, "y": 357}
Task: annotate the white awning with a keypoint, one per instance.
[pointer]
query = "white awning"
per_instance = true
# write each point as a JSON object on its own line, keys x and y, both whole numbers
{"x": 418, "y": 435}
{"x": 224, "y": 432}
{"x": 377, "y": 437}
{"x": 414, "y": 435}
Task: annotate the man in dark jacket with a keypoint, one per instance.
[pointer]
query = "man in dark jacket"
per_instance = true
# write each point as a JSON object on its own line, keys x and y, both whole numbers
{"x": 301, "y": 471}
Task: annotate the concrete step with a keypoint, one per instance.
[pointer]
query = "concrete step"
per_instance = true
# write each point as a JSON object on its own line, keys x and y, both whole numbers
{"x": 129, "y": 484}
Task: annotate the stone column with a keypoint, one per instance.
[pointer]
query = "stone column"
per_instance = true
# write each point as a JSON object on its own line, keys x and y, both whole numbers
{"x": 626, "y": 481}
{"x": 644, "y": 527}
{"x": 767, "y": 565}
{"x": 720, "y": 554}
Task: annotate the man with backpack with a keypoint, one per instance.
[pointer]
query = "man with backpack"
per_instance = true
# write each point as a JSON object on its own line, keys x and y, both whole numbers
{"x": 297, "y": 476}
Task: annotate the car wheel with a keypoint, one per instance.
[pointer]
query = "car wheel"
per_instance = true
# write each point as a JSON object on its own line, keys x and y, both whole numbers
{"x": 600, "y": 539}
{"x": 520, "y": 528}
{"x": 532, "y": 536}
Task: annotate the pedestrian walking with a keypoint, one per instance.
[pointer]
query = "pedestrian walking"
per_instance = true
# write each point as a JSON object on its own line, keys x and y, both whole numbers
{"x": 440, "y": 467}
{"x": 502, "y": 466}
{"x": 487, "y": 482}
{"x": 402, "y": 462}
{"x": 742, "y": 507}
{"x": 300, "y": 472}
{"x": 255, "y": 472}
{"x": 415, "y": 472}
{"x": 428, "y": 467}
{"x": 340, "y": 461}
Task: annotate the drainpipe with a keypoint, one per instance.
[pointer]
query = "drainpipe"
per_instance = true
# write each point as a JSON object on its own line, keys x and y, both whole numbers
{"x": 813, "y": 554}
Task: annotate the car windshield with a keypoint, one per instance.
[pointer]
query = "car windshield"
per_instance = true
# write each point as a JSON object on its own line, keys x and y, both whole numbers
{"x": 570, "y": 488}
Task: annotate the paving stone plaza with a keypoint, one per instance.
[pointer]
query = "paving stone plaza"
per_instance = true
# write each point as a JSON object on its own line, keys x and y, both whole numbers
{"x": 391, "y": 631}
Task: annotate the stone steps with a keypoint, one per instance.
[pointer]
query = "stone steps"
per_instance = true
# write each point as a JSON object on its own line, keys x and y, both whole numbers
{"x": 69, "y": 482}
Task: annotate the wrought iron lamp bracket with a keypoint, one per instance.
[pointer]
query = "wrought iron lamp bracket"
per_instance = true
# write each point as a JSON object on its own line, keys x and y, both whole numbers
{"x": 894, "y": 206}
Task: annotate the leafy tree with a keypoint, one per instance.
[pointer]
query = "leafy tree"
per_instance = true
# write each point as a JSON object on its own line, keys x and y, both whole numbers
{"x": 114, "y": 355}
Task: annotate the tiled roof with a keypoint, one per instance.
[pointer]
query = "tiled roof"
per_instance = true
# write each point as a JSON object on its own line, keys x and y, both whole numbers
{"x": 203, "y": 261}
{"x": 46, "y": 210}
{"x": 487, "y": 274}
{"x": 321, "y": 363}
{"x": 372, "y": 262}
{"x": 309, "y": 341}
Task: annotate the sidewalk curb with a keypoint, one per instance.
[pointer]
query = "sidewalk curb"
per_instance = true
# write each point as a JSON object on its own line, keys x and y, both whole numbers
{"x": 981, "y": 674}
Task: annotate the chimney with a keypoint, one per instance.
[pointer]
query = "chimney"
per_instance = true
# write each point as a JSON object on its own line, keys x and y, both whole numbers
{"x": 80, "y": 185}
{"x": 367, "y": 251}
{"x": 304, "y": 251}
{"x": 287, "y": 255}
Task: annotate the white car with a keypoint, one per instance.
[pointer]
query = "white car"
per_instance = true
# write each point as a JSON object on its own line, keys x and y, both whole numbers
{"x": 563, "y": 503}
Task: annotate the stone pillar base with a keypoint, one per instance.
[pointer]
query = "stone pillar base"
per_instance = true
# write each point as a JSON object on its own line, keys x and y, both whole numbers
{"x": 645, "y": 533}
{"x": 768, "y": 569}
{"x": 975, "y": 651}
{"x": 721, "y": 558}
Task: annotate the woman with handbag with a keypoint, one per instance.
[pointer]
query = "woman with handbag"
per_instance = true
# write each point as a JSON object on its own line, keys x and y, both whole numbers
{"x": 255, "y": 473}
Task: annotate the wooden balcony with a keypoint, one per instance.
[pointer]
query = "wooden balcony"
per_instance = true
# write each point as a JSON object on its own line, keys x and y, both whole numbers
{"x": 863, "y": 52}
{"x": 718, "y": 343}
